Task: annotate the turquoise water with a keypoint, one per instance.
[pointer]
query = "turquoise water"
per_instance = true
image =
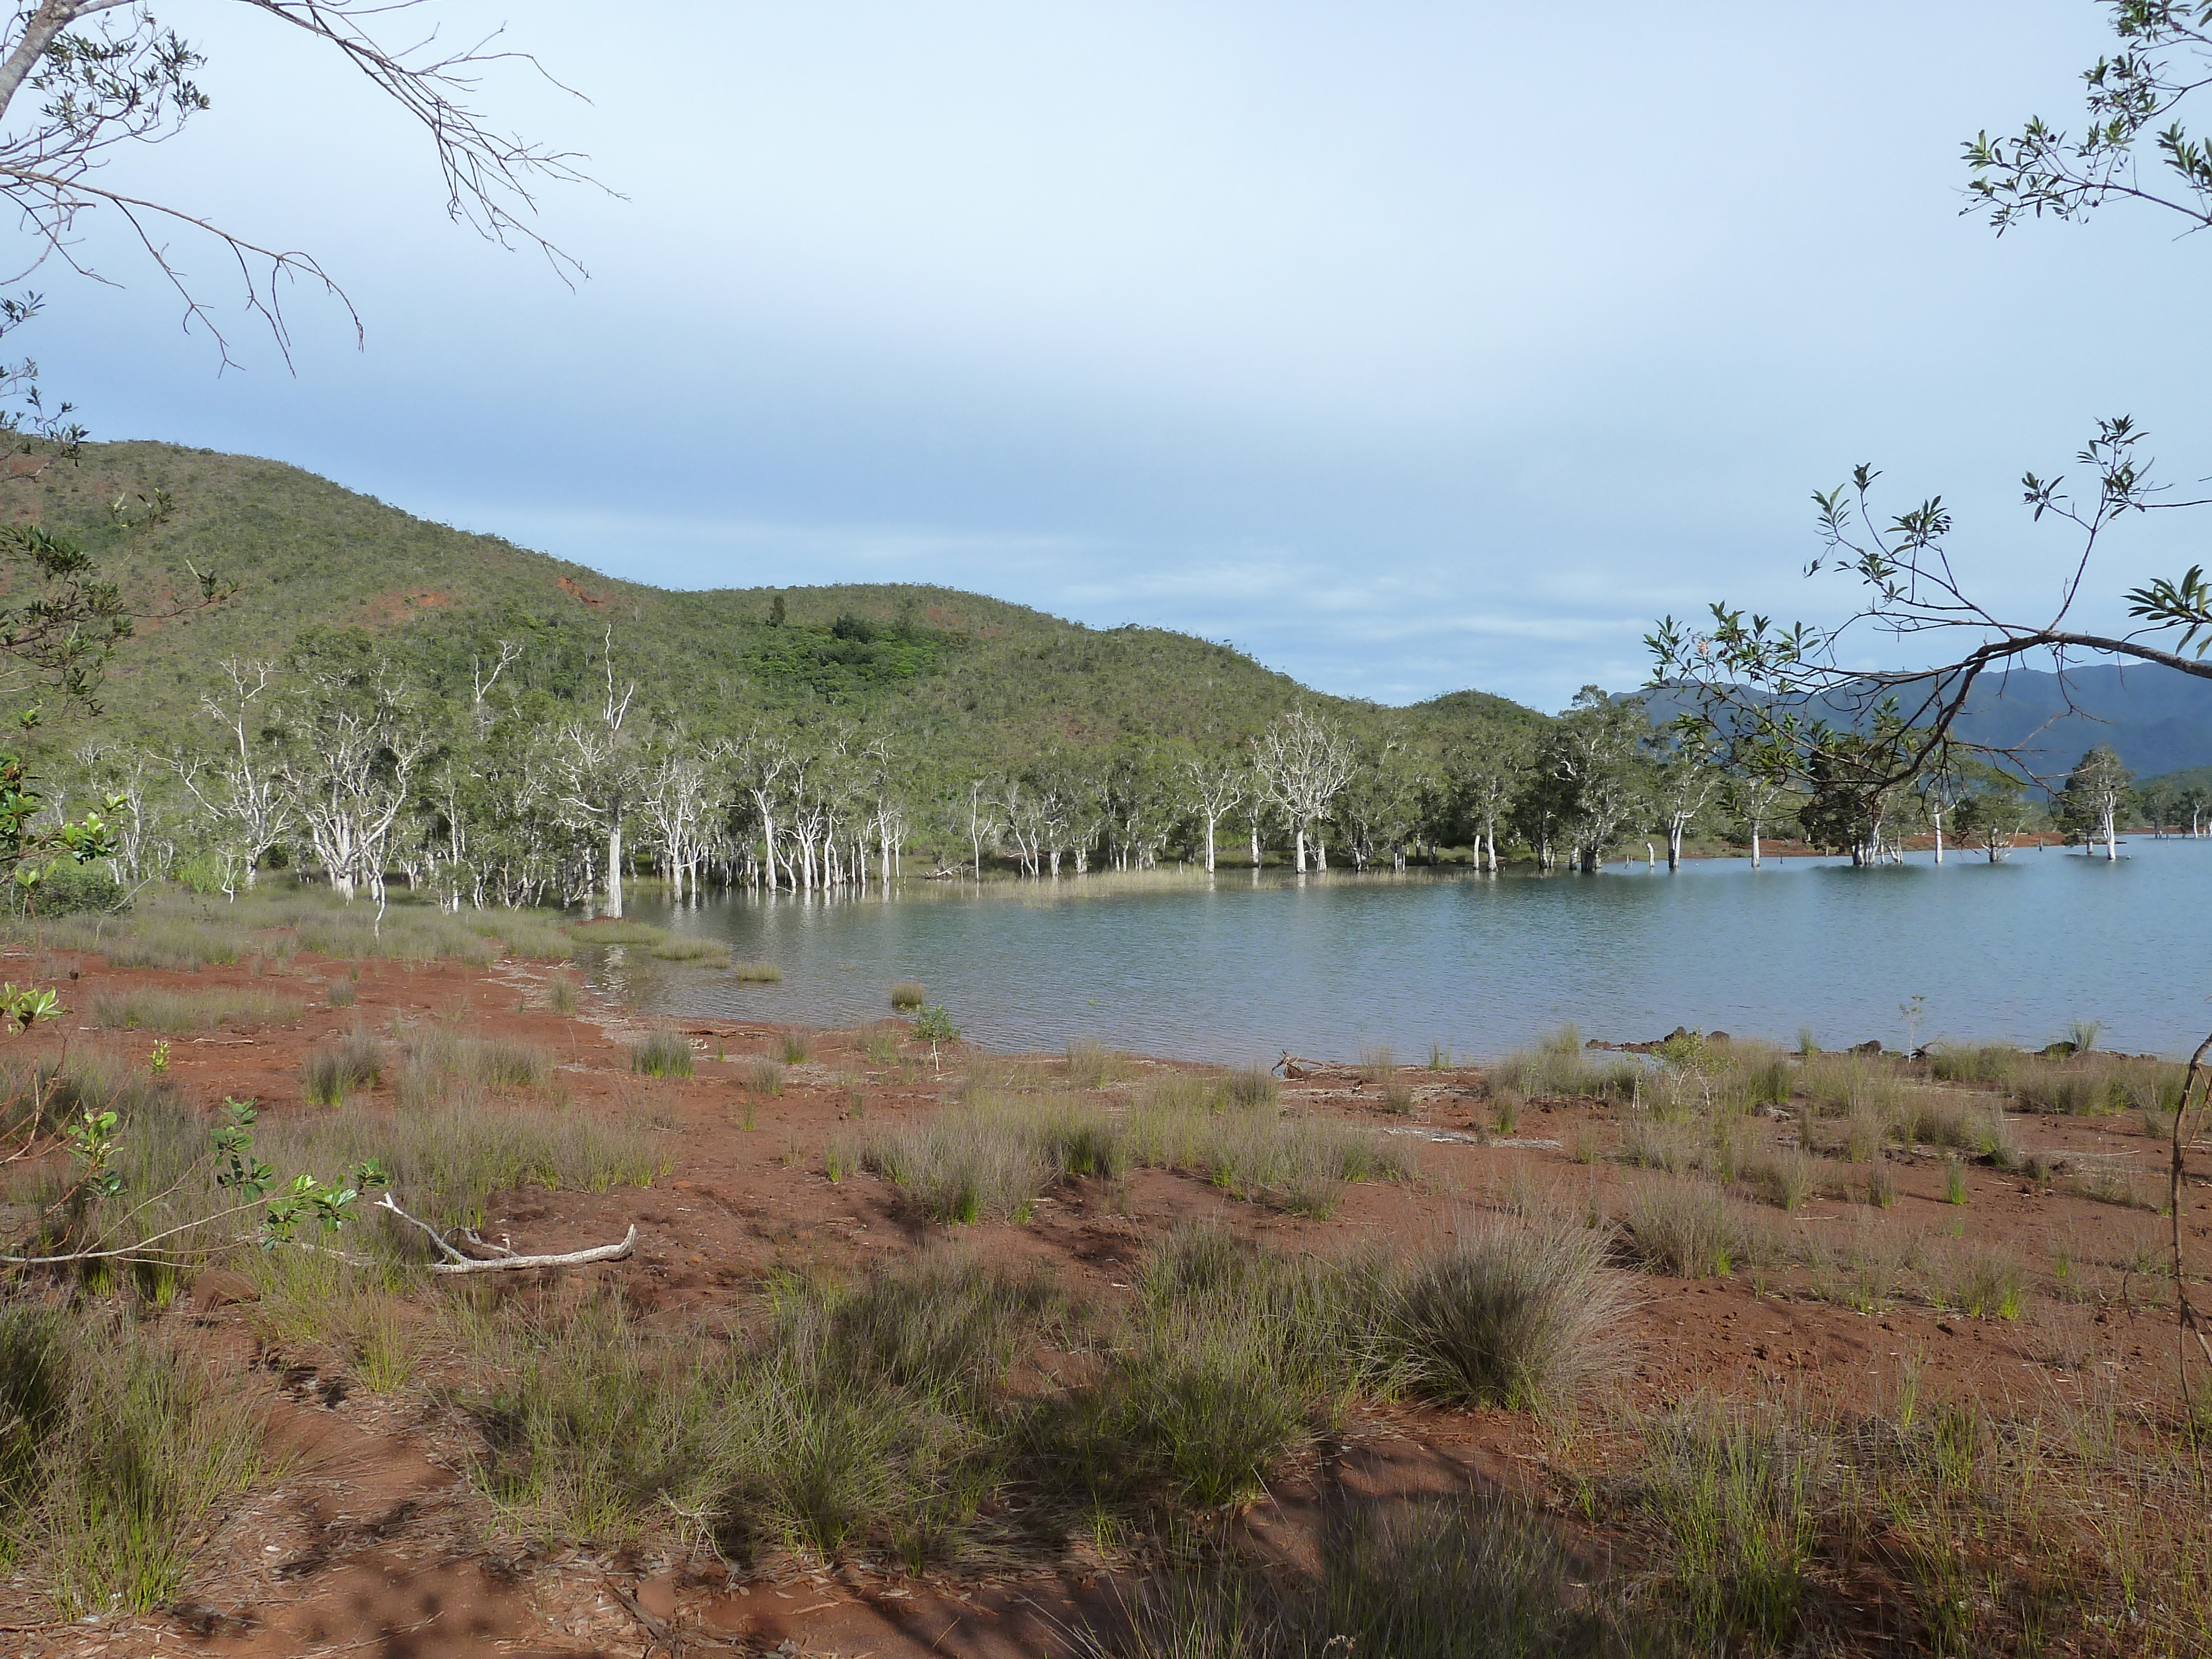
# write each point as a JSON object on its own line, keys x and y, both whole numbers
{"x": 1240, "y": 970}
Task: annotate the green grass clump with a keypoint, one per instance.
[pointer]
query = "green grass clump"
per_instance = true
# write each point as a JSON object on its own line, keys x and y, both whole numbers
{"x": 1234, "y": 1356}
{"x": 117, "y": 1452}
{"x": 441, "y": 1064}
{"x": 609, "y": 930}
{"x": 686, "y": 948}
{"x": 1992, "y": 1063}
{"x": 661, "y": 1054}
{"x": 1512, "y": 1315}
{"x": 762, "y": 1074}
{"x": 1980, "y": 1284}
{"x": 866, "y": 1416}
{"x": 341, "y": 993}
{"x": 1731, "y": 1498}
{"x": 1299, "y": 1164}
{"x": 978, "y": 1163}
{"x": 1433, "y": 1578}
{"x": 1837, "y": 1086}
{"x": 356, "y": 1066}
{"x": 798, "y": 1048}
{"x": 155, "y": 1009}
{"x": 752, "y": 971}
{"x": 563, "y": 994}
{"x": 908, "y": 995}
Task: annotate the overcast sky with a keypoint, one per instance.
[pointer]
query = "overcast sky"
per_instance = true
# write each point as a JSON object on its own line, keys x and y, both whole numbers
{"x": 1409, "y": 347}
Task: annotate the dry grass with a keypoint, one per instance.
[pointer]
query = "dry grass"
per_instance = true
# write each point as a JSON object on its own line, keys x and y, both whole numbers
{"x": 1693, "y": 1229}
{"x": 159, "y": 1009}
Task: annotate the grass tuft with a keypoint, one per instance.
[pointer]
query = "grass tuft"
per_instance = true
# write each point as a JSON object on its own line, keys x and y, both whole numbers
{"x": 1514, "y": 1315}
{"x": 661, "y": 1054}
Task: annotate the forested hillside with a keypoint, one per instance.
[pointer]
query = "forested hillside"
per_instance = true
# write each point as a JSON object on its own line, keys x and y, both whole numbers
{"x": 971, "y": 681}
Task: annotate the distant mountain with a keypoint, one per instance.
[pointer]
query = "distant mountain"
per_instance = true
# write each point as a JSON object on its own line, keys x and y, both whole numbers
{"x": 2158, "y": 718}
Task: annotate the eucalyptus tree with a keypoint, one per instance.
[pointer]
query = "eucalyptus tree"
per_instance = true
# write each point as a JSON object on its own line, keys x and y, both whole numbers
{"x": 1488, "y": 780}
{"x": 2098, "y": 790}
{"x": 238, "y": 788}
{"x": 763, "y": 764}
{"x": 1685, "y": 778}
{"x": 677, "y": 799}
{"x": 1593, "y": 762}
{"x": 1304, "y": 762}
{"x": 1990, "y": 812}
{"x": 354, "y": 740}
{"x": 599, "y": 771}
{"x": 1755, "y": 800}
{"x": 1215, "y": 786}
{"x": 1380, "y": 808}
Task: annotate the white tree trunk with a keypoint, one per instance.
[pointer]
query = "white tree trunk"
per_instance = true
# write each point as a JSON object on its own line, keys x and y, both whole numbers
{"x": 1754, "y": 847}
{"x": 614, "y": 870}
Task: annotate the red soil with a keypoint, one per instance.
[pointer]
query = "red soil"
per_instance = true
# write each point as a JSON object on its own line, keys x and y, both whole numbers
{"x": 370, "y": 1540}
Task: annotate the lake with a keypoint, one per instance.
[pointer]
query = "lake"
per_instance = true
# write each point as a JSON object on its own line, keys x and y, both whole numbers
{"x": 1236, "y": 969}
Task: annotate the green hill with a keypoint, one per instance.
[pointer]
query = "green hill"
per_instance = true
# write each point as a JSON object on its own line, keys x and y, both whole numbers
{"x": 969, "y": 681}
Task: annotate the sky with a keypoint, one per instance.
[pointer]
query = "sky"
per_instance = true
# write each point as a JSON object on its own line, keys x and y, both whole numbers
{"x": 1409, "y": 347}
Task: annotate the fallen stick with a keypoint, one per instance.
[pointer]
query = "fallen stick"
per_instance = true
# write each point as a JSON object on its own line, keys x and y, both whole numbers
{"x": 569, "y": 1258}
{"x": 455, "y": 1262}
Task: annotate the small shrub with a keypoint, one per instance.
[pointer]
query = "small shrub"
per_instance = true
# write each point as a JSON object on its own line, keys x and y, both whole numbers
{"x": 761, "y": 1074}
{"x": 562, "y": 995}
{"x": 1881, "y": 1187}
{"x": 661, "y": 1054}
{"x": 1398, "y": 1097}
{"x": 798, "y": 1048}
{"x": 341, "y": 993}
{"x": 1512, "y": 1315}
{"x": 880, "y": 1046}
{"x": 1377, "y": 1064}
{"x": 909, "y": 996}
